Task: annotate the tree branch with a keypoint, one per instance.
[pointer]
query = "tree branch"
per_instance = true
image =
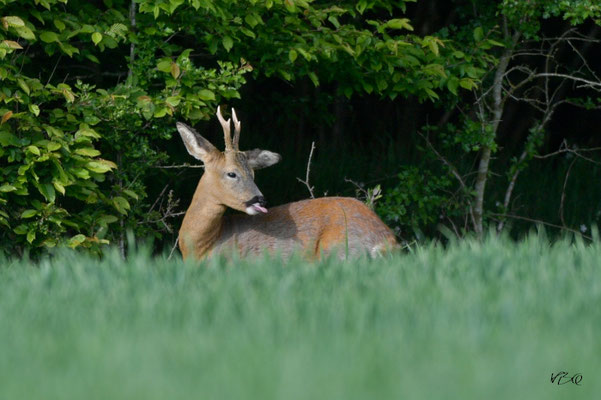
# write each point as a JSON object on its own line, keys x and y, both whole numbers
{"x": 306, "y": 181}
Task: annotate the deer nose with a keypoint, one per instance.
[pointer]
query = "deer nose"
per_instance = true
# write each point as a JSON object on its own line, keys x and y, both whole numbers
{"x": 257, "y": 199}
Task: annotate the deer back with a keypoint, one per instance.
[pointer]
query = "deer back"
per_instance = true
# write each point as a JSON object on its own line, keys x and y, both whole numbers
{"x": 341, "y": 226}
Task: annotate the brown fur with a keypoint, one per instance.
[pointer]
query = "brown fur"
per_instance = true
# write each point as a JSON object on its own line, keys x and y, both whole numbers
{"x": 317, "y": 227}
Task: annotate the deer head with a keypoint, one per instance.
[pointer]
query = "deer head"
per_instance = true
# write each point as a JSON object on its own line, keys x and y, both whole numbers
{"x": 229, "y": 174}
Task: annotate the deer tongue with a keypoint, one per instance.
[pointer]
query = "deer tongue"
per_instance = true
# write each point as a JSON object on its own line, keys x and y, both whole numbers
{"x": 260, "y": 208}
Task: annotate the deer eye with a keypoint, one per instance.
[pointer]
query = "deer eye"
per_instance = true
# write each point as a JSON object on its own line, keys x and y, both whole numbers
{"x": 231, "y": 175}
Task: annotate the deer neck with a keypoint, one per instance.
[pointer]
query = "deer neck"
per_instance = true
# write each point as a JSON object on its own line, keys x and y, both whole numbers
{"x": 202, "y": 224}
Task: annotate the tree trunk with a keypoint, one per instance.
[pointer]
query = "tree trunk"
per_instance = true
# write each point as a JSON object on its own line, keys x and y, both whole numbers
{"x": 497, "y": 113}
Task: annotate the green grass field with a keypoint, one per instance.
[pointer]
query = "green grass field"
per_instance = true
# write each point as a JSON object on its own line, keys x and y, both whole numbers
{"x": 470, "y": 321}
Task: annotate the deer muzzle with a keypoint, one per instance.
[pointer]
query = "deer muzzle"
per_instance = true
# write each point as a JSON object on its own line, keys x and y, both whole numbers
{"x": 256, "y": 205}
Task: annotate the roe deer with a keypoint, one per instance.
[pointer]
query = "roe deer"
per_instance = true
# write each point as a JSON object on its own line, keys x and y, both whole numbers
{"x": 324, "y": 225}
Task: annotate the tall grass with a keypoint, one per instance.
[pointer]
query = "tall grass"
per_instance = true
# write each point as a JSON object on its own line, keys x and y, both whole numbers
{"x": 469, "y": 321}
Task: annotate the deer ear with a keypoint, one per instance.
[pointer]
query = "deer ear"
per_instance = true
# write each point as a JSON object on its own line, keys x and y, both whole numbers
{"x": 198, "y": 147}
{"x": 258, "y": 158}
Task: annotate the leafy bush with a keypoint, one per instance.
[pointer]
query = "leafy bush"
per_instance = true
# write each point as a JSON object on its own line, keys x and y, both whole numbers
{"x": 56, "y": 187}
{"x": 51, "y": 170}
{"x": 419, "y": 200}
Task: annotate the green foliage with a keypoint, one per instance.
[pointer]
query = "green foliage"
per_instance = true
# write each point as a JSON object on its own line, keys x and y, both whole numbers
{"x": 327, "y": 43}
{"x": 54, "y": 128}
{"x": 419, "y": 199}
{"x": 52, "y": 172}
{"x": 470, "y": 317}
{"x": 528, "y": 14}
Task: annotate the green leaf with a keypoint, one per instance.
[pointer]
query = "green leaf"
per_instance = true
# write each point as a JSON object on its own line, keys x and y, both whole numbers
{"x": 173, "y": 100}
{"x": 292, "y": 54}
{"x": 93, "y": 58}
{"x": 228, "y": 43}
{"x": 25, "y": 32}
{"x": 399, "y": 23}
{"x": 47, "y": 190}
{"x": 53, "y": 146}
{"x": 305, "y": 53}
{"x": 286, "y": 75}
{"x": 334, "y": 21}
{"x": 100, "y": 166}
{"x": 121, "y": 204}
{"x": 23, "y": 85}
{"x": 80, "y": 173}
{"x": 104, "y": 220}
{"x": 431, "y": 93}
{"x": 290, "y": 6}
{"x": 34, "y": 109}
{"x": 164, "y": 65}
{"x": 59, "y": 187}
{"x": 52, "y": 131}
{"x": 131, "y": 193}
{"x": 495, "y": 43}
{"x": 452, "y": 85}
{"x": 76, "y": 241}
{"x": 48, "y": 37}
{"x": 174, "y": 70}
{"x": 368, "y": 87}
{"x": 251, "y": 20}
{"x": 12, "y": 21}
{"x": 49, "y": 243}
{"x": 33, "y": 150}
{"x": 69, "y": 96}
{"x": 478, "y": 34}
{"x": 21, "y": 229}
{"x": 28, "y": 213}
{"x": 467, "y": 83}
{"x": 229, "y": 93}
{"x": 247, "y": 32}
{"x": 85, "y": 130}
{"x": 206, "y": 94}
{"x": 433, "y": 46}
{"x": 31, "y": 236}
{"x": 87, "y": 151}
{"x": 7, "y": 188}
{"x": 11, "y": 44}
{"x": 161, "y": 112}
{"x": 68, "y": 49}
{"x": 60, "y": 25}
{"x": 87, "y": 28}
{"x": 96, "y": 37}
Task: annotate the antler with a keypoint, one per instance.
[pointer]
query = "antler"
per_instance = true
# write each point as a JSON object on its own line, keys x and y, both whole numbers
{"x": 237, "y": 127}
{"x": 226, "y": 125}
